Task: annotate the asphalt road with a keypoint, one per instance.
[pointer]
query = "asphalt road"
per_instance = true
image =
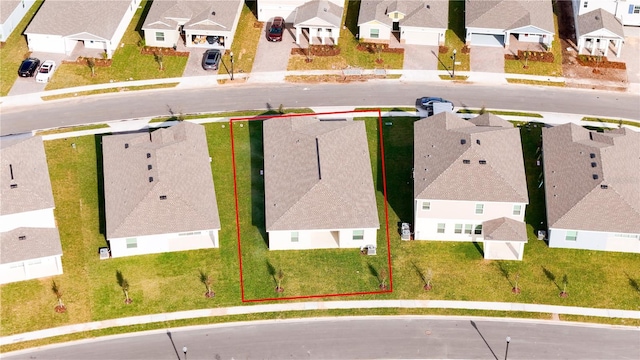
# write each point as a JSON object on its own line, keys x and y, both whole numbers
{"x": 362, "y": 338}
{"x": 141, "y": 104}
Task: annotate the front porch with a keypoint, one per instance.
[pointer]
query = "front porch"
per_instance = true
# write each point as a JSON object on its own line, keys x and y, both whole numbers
{"x": 604, "y": 46}
{"x": 306, "y": 36}
{"x": 323, "y": 240}
{"x": 515, "y": 44}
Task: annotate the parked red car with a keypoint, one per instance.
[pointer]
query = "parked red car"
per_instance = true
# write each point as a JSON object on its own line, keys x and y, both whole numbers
{"x": 276, "y": 30}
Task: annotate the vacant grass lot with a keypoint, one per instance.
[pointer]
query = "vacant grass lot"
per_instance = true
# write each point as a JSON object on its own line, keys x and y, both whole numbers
{"x": 170, "y": 282}
{"x": 15, "y": 50}
{"x": 349, "y": 54}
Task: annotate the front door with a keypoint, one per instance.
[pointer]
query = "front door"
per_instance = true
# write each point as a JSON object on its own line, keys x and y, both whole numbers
{"x": 396, "y": 26}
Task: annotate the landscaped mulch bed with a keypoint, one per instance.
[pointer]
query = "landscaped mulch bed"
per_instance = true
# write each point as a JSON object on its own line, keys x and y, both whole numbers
{"x": 541, "y": 56}
{"x": 600, "y": 62}
{"x": 318, "y": 50}
{"x": 150, "y": 50}
{"x": 442, "y": 49}
{"x": 83, "y": 61}
{"x": 374, "y": 47}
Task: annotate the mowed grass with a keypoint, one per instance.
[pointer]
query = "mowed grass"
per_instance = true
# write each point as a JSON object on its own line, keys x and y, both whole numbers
{"x": 170, "y": 282}
{"x": 14, "y": 50}
{"x": 349, "y": 54}
{"x": 128, "y": 63}
{"x": 454, "y": 40}
{"x": 245, "y": 41}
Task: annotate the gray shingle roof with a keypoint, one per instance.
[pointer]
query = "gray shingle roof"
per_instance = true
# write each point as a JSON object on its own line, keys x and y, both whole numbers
{"x": 429, "y": 14}
{"x": 495, "y": 168}
{"x": 196, "y": 15}
{"x": 26, "y": 160}
{"x": 176, "y": 160}
{"x": 599, "y": 19}
{"x": 322, "y": 9}
{"x": 573, "y": 177}
{"x": 38, "y": 242}
{"x": 509, "y": 14}
{"x": 504, "y": 229}
{"x": 69, "y": 17}
{"x": 317, "y": 175}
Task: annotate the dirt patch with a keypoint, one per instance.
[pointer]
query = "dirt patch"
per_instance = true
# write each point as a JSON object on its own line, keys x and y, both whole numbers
{"x": 317, "y": 50}
{"x": 150, "y": 50}
{"x": 375, "y": 47}
{"x": 542, "y": 56}
{"x": 331, "y": 78}
{"x": 84, "y": 61}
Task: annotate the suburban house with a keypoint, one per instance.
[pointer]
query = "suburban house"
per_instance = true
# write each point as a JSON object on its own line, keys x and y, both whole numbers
{"x": 203, "y": 24}
{"x": 628, "y": 11}
{"x": 413, "y": 22}
{"x": 318, "y": 184}
{"x": 29, "y": 240}
{"x": 11, "y": 13}
{"x": 470, "y": 184}
{"x": 159, "y": 192}
{"x": 597, "y": 31}
{"x": 61, "y": 25}
{"x": 592, "y": 190}
{"x": 495, "y": 22}
{"x": 311, "y": 18}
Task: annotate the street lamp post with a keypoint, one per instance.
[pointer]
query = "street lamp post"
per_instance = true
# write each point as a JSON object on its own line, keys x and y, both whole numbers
{"x": 507, "y": 351}
{"x": 184, "y": 350}
{"x": 231, "y": 54}
{"x": 453, "y": 73}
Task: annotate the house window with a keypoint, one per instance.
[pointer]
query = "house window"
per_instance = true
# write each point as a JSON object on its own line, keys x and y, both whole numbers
{"x": 585, "y": 5}
{"x": 358, "y": 234}
{"x": 627, "y": 236}
{"x": 458, "y": 229}
{"x": 395, "y": 15}
{"x": 571, "y": 236}
{"x": 132, "y": 243}
{"x": 426, "y": 205}
{"x": 517, "y": 209}
{"x": 478, "y": 230}
{"x": 294, "y": 236}
{"x": 479, "y": 209}
{"x": 468, "y": 228}
{"x": 636, "y": 9}
{"x": 374, "y": 33}
{"x": 441, "y": 227}
{"x": 159, "y": 36}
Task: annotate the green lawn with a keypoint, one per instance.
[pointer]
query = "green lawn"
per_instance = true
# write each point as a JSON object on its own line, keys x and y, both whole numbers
{"x": 170, "y": 282}
{"x": 349, "y": 54}
{"x": 454, "y": 40}
{"x": 245, "y": 41}
{"x": 128, "y": 63}
{"x": 15, "y": 50}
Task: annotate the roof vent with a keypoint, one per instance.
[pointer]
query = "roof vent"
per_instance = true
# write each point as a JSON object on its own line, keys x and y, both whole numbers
{"x": 427, "y": 6}
{"x": 148, "y": 155}
{"x": 595, "y": 176}
{"x": 603, "y": 186}
{"x": 593, "y": 164}
{"x": 597, "y": 17}
{"x": 463, "y": 141}
{"x": 163, "y": 197}
{"x": 213, "y": 13}
{"x": 13, "y": 186}
{"x": 325, "y": 9}
{"x": 126, "y": 145}
{"x": 149, "y": 167}
{"x": 483, "y": 162}
{"x": 150, "y": 178}
{"x": 22, "y": 237}
{"x": 478, "y": 141}
{"x": 466, "y": 161}
{"x": 592, "y": 155}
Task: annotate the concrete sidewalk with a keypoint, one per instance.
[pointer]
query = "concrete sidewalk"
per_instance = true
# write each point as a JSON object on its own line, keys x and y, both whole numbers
{"x": 554, "y": 310}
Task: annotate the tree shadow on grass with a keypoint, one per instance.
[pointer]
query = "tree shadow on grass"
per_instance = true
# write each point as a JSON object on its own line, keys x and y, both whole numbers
{"x": 551, "y": 276}
{"x": 272, "y": 272}
{"x": 504, "y": 271}
{"x": 419, "y": 272}
{"x": 633, "y": 283}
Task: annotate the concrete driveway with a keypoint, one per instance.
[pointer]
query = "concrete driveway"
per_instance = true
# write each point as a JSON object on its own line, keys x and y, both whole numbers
{"x": 420, "y": 57}
{"x": 194, "y": 64}
{"x": 487, "y": 59}
{"x": 29, "y": 85}
{"x": 274, "y": 56}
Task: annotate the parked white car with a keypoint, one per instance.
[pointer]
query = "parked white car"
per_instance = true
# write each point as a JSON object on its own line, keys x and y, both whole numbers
{"x": 46, "y": 71}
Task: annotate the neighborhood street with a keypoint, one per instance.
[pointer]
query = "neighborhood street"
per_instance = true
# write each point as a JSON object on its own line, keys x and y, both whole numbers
{"x": 142, "y": 104}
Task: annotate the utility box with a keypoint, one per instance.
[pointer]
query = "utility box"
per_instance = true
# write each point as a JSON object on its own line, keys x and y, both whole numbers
{"x": 405, "y": 232}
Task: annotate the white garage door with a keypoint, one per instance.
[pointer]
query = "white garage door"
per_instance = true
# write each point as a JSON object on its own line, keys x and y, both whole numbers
{"x": 416, "y": 37}
{"x": 43, "y": 43}
{"x": 487, "y": 40}
{"x": 268, "y": 12}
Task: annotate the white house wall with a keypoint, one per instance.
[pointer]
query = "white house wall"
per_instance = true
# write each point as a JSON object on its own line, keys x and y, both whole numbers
{"x": 114, "y": 42}
{"x": 151, "y": 244}
{"x": 42, "y": 218}
{"x": 451, "y": 212}
{"x": 503, "y": 250}
{"x": 30, "y": 269}
{"x": 624, "y": 10}
{"x": 320, "y": 239}
{"x": 595, "y": 240}
{"x": 14, "y": 19}
{"x": 384, "y": 32}
{"x": 171, "y": 37}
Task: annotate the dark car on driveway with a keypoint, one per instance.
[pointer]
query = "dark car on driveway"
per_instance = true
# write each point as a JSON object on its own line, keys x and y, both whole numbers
{"x": 28, "y": 67}
{"x": 211, "y": 59}
{"x": 276, "y": 29}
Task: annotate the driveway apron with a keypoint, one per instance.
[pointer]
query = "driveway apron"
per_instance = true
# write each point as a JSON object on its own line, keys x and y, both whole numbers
{"x": 487, "y": 59}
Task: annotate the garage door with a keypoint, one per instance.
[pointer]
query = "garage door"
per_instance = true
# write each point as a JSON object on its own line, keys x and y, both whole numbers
{"x": 487, "y": 40}
{"x": 44, "y": 43}
{"x": 419, "y": 37}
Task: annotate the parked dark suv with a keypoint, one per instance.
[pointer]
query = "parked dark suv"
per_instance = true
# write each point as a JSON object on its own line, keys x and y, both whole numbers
{"x": 276, "y": 29}
{"x": 211, "y": 59}
{"x": 28, "y": 67}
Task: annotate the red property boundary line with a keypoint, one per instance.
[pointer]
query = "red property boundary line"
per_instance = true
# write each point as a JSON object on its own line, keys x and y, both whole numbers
{"x": 386, "y": 209}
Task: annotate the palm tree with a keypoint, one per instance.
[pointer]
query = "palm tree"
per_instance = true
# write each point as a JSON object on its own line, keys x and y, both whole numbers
{"x": 565, "y": 281}
{"x": 92, "y": 65}
{"x": 56, "y": 290}
{"x": 279, "y": 278}
{"x": 125, "y": 289}
{"x": 383, "y": 278}
{"x": 207, "y": 281}
{"x": 428, "y": 278}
